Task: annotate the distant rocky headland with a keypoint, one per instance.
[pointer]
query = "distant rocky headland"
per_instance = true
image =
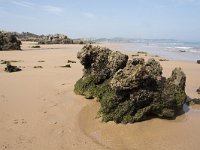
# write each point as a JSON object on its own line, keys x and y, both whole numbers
{"x": 129, "y": 90}
{"x": 49, "y": 39}
{"x": 11, "y": 40}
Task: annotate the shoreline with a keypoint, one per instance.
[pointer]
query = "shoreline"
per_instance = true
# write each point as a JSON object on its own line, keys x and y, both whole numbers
{"x": 151, "y": 50}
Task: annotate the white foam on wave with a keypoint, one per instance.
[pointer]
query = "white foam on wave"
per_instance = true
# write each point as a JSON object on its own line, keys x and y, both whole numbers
{"x": 183, "y": 47}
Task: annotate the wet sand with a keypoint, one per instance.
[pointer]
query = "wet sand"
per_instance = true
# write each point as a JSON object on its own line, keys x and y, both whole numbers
{"x": 38, "y": 109}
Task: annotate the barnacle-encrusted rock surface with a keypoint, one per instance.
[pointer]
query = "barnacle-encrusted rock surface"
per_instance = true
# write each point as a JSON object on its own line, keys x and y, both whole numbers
{"x": 129, "y": 90}
{"x": 8, "y": 41}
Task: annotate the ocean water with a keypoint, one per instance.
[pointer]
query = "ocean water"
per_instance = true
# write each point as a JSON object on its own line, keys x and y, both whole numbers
{"x": 170, "y": 50}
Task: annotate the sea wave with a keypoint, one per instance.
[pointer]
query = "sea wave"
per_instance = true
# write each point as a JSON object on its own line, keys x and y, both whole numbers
{"x": 183, "y": 47}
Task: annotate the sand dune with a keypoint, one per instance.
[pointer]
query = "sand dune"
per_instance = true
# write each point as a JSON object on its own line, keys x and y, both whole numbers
{"x": 39, "y": 110}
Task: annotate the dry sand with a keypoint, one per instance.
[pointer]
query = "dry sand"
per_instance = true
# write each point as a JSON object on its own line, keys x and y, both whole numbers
{"x": 39, "y": 111}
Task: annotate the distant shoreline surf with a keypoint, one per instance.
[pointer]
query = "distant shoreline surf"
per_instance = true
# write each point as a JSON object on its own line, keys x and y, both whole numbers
{"x": 172, "y": 51}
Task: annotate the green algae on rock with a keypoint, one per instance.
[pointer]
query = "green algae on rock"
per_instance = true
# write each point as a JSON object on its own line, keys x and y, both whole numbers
{"x": 129, "y": 90}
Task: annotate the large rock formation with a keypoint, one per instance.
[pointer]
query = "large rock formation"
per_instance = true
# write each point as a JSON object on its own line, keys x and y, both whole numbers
{"x": 8, "y": 41}
{"x": 27, "y": 36}
{"x": 129, "y": 90}
{"x": 56, "y": 39}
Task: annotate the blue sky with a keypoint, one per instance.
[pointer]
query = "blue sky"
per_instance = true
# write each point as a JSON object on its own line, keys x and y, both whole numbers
{"x": 153, "y": 19}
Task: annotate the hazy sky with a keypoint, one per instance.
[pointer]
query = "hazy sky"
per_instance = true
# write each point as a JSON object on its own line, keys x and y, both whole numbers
{"x": 174, "y": 19}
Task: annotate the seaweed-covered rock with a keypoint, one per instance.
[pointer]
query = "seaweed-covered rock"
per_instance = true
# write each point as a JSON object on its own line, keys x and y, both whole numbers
{"x": 129, "y": 90}
{"x": 101, "y": 63}
{"x": 9, "y": 41}
{"x": 10, "y": 68}
{"x": 194, "y": 101}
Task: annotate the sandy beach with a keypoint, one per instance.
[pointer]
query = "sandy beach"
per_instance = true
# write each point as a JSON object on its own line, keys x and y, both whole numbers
{"x": 39, "y": 110}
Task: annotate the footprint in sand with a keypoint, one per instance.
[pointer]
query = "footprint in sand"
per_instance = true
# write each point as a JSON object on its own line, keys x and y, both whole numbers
{"x": 19, "y": 121}
{"x": 61, "y": 92}
{"x": 24, "y": 140}
{"x": 5, "y": 146}
{"x": 53, "y": 122}
{"x": 3, "y": 98}
{"x": 54, "y": 105}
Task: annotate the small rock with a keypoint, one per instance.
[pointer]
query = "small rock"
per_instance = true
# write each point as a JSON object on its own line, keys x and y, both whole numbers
{"x": 198, "y": 61}
{"x": 155, "y": 56}
{"x": 37, "y": 67}
{"x": 6, "y": 61}
{"x": 195, "y": 101}
{"x": 198, "y": 90}
{"x": 182, "y": 51}
{"x": 36, "y": 46}
{"x": 141, "y": 52}
{"x": 41, "y": 61}
{"x": 163, "y": 60}
{"x": 71, "y": 61}
{"x": 135, "y": 55}
{"x": 11, "y": 68}
{"x": 66, "y": 66}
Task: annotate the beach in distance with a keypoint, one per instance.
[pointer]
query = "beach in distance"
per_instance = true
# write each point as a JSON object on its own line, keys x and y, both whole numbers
{"x": 39, "y": 109}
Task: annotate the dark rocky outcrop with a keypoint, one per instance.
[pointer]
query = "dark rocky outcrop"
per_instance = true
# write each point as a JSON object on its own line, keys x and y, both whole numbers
{"x": 129, "y": 90}
{"x": 27, "y": 36}
{"x": 198, "y": 61}
{"x": 163, "y": 60}
{"x": 9, "y": 41}
{"x": 71, "y": 61}
{"x": 10, "y": 68}
{"x": 56, "y": 39}
{"x": 49, "y": 39}
{"x": 35, "y": 46}
{"x": 37, "y": 67}
{"x": 198, "y": 90}
{"x": 66, "y": 66}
